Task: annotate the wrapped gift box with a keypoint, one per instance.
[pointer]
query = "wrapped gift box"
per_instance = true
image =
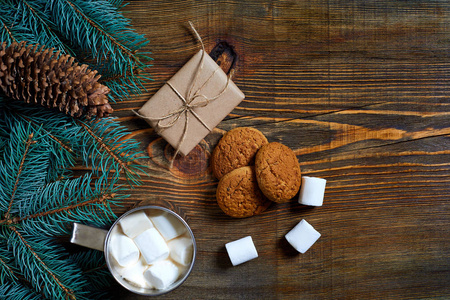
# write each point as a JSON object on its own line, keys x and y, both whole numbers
{"x": 211, "y": 81}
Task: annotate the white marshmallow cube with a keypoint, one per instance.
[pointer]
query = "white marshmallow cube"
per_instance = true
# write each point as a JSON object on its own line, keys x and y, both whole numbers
{"x": 152, "y": 246}
{"x": 241, "y": 250}
{"x": 169, "y": 226}
{"x": 302, "y": 236}
{"x": 124, "y": 250}
{"x": 135, "y": 223}
{"x": 312, "y": 191}
{"x": 134, "y": 274}
{"x": 181, "y": 250}
{"x": 162, "y": 274}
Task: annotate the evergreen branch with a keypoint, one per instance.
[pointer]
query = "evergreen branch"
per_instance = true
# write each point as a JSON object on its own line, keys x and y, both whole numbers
{"x": 52, "y": 39}
{"x": 19, "y": 172}
{"x": 4, "y": 134}
{"x": 28, "y": 22}
{"x": 93, "y": 265}
{"x": 110, "y": 150}
{"x": 26, "y": 161}
{"x": 123, "y": 164}
{"x": 17, "y": 291}
{"x": 113, "y": 77}
{"x": 98, "y": 200}
{"x": 101, "y": 34}
{"x": 39, "y": 146}
{"x": 57, "y": 129}
{"x": 97, "y": 141}
{"x": 116, "y": 3}
{"x": 62, "y": 144}
{"x": 104, "y": 33}
{"x": 51, "y": 124}
{"x": 59, "y": 204}
{"x": 54, "y": 138}
{"x": 102, "y": 267}
{"x": 68, "y": 292}
{"x": 125, "y": 85}
{"x": 6, "y": 271}
{"x": 11, "y": 36}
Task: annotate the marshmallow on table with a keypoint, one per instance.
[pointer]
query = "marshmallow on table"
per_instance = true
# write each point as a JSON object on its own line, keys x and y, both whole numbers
{"x": 241, "y": 250}
{"x": 152, "y": 245}
{"x": 134, "y": 274}
{"x": 302, "y": 236}
{"x": 135, "y": 223}
{"x": 169, "y": 226}
{"x": 162, "y": 274}
{"x": 312, "y": 191}
{"x": 181, "y": 250}
{"x": 124, "y": 250}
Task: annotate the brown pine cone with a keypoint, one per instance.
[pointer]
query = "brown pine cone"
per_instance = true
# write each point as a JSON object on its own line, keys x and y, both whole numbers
{"x": 37, "y": 75}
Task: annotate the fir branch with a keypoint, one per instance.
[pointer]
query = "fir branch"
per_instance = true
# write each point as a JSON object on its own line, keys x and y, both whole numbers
{"x": 8, "y": 37}
{"x": 19, "y": 173}
{"x": 94, "y": 267}
{"x": 8, "y": 31}
{"x": 59, "y": 204}
{"x": 109, "y": 148}
{"x": 124, "y": 49}
{"x": 17, "y": 291}
{"x": 7, "y": 267}
{"x": 65, "y": 146}
{"x": 125, "y": 85}
{"x": 34, "y": 21}
{"x": 102, "y": 143}
{"x": 6, "y": 271}
{"x": 102, "y": 199}
{"x": 59, "y": 128}
{"x": 38, "y": 147}
{"x": 51, "y": 124}
{"x": 4, "y": 134}
{"x": 93, "y": 270}
{"x": 67, "y": 292}
{"x": 99, "y": 141}
{"x": 25, "y": 160}
{"x": 116, "y": 3}
{"x": 103, "y": 31}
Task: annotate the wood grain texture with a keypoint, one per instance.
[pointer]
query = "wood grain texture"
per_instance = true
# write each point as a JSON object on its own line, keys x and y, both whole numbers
{"x": 360, "y": 90}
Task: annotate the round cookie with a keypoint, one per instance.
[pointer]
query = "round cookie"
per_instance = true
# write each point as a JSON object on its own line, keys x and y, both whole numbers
{"x": 237, "y": 148}
{"x": 238, "y": 194}
{"x": 278, "y": 172}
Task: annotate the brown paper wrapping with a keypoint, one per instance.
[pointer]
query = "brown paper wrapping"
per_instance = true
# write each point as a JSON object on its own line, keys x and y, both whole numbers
{"x": 165, "y": 101}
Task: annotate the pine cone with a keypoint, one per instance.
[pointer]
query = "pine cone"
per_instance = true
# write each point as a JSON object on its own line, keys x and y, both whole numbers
{"x": 34, "y": 74}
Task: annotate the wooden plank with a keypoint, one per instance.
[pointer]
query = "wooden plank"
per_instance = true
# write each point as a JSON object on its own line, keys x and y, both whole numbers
{"x": 359, "y": 89}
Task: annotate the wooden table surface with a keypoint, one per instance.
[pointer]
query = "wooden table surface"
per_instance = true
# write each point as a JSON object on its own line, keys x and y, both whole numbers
{"x": 360, "y": 90}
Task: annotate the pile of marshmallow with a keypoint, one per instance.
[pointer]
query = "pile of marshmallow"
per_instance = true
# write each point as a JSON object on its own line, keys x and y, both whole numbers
{"x": 150, "y": 251}
{"x": 301, "y": 237}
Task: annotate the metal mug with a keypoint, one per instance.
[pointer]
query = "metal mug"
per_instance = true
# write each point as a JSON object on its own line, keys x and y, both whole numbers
{"x": 96, "y": 238}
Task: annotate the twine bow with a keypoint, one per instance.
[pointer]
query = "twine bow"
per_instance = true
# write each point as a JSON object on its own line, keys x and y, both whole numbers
{"x": 189, "y": 102}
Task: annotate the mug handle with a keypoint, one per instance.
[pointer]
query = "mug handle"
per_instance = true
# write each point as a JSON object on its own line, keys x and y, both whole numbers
{"x": 87, "y": 236}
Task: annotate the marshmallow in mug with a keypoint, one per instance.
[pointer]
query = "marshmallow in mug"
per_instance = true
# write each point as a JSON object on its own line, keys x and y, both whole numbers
{"x": 135, "y": 224}
{"x": 133, "y": 274}
{"x": 312, "y": 191}
{"x": 152, "y": 245}
{"x": 162, "y": 274}
{"x": 124, "y": 250}
{"x": 168, "y": 225}
{"x": 181, "y": 250}
{"x": 154, "y": 266}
